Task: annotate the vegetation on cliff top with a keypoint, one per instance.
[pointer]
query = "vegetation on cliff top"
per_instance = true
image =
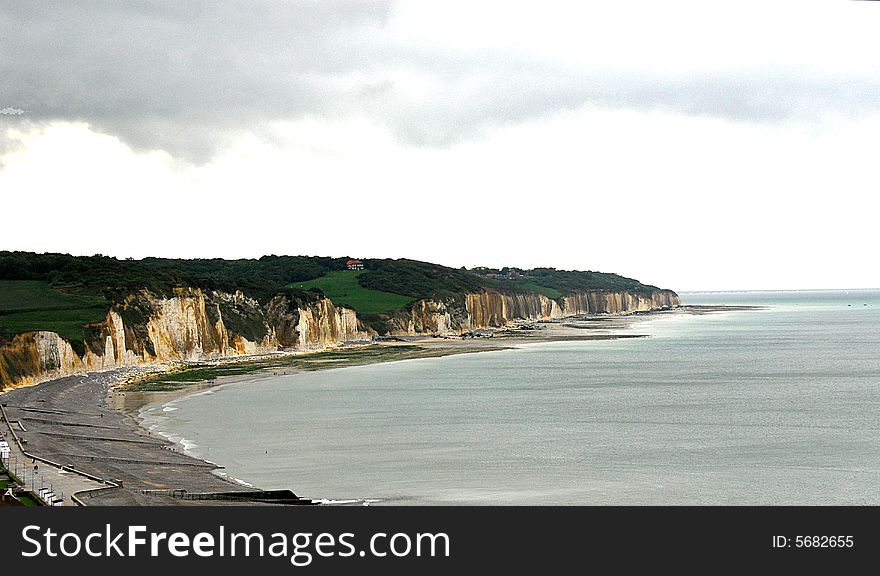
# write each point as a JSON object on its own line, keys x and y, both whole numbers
{"x": 571, "y": 281}
{"x": 262, "y": 278}
{"x": 426, "y": 280}
{"x": 60, "y": 292}
{"x": 115, "y": 279}
{"x": 343, "y": 288}
{"x": 27, "y": 305}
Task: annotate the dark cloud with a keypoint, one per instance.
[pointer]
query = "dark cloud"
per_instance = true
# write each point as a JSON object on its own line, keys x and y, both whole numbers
{"x": 185, "y": 76}
{"x": 180, "y": 76}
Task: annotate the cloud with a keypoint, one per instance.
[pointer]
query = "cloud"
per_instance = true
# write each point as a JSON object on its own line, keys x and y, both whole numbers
{"x": 180, "y": 77}
{"x": 10, "y": 111}
{"x": 678, "y": 201}
{"x": 189, "y": 78}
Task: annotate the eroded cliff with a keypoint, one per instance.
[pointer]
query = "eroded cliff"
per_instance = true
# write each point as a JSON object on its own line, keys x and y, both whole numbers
{"x": 37, "y": 356}
{"x": 190, "y": 324}
{"x": 493, "y": 309}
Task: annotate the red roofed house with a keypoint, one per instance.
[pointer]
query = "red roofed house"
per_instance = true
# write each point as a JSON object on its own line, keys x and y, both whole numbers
{"x": 355, "y": 265}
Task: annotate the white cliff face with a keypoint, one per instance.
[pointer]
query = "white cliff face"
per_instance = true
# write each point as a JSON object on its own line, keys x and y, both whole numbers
{"x": 598, "y": 302}
{"x": 322, "y": 324}
{"x": 189, "y": 325}
{"x": 311, "y": 325}
{"x": 428, "y": 317}
{"x": 192, "y": 324}
{"x": 178, "y": 329}
{"x": 56, "y": 355}
{"x": 182, "y": 328}
{"x": 491, "y": 309}
{"x": 110, "y": 351}
{"x": 496, "y": 309}
{"x": 34, "y": 357}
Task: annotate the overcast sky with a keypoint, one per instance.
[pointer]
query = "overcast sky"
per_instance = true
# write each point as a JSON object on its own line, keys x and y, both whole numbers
{"x": 695, "y": 146}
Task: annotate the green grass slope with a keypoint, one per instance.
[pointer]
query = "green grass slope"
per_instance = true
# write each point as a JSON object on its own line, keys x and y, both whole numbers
{"x": 29, "y": 295}
{"x": 342, "y": 287}
{"x": 526, "y": 286}
{"x": 27, "y": 305}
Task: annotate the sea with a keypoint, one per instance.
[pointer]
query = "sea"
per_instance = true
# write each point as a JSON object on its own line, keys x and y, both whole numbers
{"x": 772, "y": 406}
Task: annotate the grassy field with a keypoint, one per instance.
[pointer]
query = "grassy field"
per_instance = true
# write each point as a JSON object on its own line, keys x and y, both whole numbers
{"x": 27, "y": 305}
{"x": 342, "y": 287}
{"x": 31, "y": 295}
{"x": 531, "y": 286}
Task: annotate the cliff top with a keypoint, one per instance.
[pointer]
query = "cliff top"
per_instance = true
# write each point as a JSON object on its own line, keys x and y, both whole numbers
{"x": 262, "y": 278}
{"x": 61, "y": 293}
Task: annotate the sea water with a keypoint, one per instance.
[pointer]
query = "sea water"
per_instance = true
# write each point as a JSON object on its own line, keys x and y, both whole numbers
{"x": 773, "y": 406}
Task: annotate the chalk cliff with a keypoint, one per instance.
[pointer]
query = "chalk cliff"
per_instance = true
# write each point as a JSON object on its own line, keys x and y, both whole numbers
{"x": 37, "y": 356}
{"x": 190, "y": 324}
{"x": 193, "y": 324}
{"x": 492, "y": 309}
{"x": 318, "y": 325}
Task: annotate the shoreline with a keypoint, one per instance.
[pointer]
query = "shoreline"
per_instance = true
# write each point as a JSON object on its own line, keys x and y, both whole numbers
{"x": 609, "y": 327}
{"x": 112, "y": 442}
{"x": 128, "y": 397}
{"x": 132, "y": 393}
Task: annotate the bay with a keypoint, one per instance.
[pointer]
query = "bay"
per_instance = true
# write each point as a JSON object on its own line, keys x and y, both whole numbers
{"x": 773, "y": 406}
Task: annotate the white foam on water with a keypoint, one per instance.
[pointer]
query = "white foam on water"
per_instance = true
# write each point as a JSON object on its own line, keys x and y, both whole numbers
{"x": 233, "y": 478}
{"x": 188, "y": 445}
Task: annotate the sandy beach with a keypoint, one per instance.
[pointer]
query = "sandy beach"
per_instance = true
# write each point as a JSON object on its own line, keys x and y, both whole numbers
{"x": 89, "y": 423}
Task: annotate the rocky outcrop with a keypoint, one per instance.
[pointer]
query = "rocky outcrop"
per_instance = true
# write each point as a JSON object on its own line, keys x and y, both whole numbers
{"x": 190, "y": 324}
{"x": 493, "y": 309}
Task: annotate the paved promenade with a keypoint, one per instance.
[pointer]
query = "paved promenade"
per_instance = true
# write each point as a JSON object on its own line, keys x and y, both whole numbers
{"x": 54, "y": 484}
{"x": 67, "y": 421}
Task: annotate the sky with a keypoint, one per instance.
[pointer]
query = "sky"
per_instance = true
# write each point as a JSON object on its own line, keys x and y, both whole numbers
{"x": 691, "y": 145}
